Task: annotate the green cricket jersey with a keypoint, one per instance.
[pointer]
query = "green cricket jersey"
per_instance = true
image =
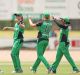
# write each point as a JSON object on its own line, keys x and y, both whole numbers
{"x": 64, "y": 32}
{"x": 18, "y": 32}
{"x": 44, "y": 28}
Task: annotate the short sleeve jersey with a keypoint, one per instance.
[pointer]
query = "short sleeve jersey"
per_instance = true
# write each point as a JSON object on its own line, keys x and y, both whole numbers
{"x": 44, "y": 28}
{"x": 18, "y": 32}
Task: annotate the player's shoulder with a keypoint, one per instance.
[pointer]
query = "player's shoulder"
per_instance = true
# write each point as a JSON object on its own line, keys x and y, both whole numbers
{"x": 15, "y": 25}
{"x": 39, "y": 23}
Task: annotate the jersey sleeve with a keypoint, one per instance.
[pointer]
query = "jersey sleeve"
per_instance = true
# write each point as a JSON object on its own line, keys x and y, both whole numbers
{"x": 39, "y": 23}
{"x": 60, "y": 25}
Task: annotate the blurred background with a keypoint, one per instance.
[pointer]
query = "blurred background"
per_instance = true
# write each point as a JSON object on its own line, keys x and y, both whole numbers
{"x": 35, "y": 8}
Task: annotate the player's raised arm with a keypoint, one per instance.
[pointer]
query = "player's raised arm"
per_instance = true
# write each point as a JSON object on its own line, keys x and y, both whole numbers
{"x": 59, "y": 24}
{"x": 31, "y": 23}
{"x": 8, "y": 28}
{"x": 55, "y": 20}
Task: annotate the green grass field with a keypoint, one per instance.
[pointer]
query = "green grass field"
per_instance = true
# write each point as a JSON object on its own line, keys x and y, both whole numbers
{"x": 63, "y": 69}
{"x": 33, "y": 34}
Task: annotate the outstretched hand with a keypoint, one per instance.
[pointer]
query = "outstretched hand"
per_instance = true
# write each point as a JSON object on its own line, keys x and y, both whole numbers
{"x": 5, "y": 28}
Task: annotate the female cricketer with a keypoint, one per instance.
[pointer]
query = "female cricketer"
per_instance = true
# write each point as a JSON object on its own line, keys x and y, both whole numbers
{"x": 63, "y": 46}
{"x": 18, "y": 41}
{"x": 43, "y": 39}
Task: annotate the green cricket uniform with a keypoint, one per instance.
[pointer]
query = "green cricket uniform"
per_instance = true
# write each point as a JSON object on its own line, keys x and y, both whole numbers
{"x": 43, "y": 35}
{"x": 18, "y": 40}
{"x": 63, "y": 47}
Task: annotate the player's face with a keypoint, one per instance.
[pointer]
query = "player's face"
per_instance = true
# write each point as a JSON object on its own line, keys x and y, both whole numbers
{"x": 18, "y": 18}
{"x": 63, "y": 22}
{"x": 46, "y": 18}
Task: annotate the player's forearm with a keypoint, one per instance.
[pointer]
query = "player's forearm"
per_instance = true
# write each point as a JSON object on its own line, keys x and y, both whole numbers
{"x": 8, "y": 28}
{"x": 22, "y": 26}
{"x": 58, "y": 24}
{"x": 31, "y": 23}
{"x": 11, "y": 28}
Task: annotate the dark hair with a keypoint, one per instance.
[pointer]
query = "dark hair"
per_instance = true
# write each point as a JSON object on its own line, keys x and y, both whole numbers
{"x": 17, "y": 14}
